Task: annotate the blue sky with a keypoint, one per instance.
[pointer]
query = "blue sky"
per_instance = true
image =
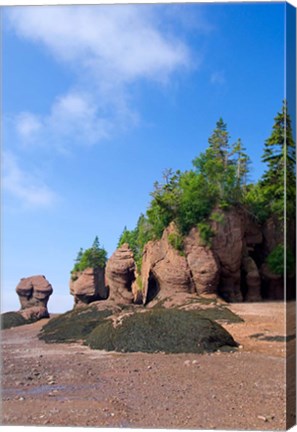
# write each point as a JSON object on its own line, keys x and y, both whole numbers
{"x": 98, "y": 101}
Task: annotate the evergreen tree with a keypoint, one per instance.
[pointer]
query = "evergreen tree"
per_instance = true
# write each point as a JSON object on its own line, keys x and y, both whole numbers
{"x": 219, "y": 142}
{"x": 94, "y": 257}
{"x": 242, "y": 162}
{"x": 279, "y": 155}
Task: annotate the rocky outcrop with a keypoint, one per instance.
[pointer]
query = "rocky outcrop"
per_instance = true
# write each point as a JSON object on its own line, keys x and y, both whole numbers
{"x": 225, "y": 268}
{"x": 164, "y": 270}
{"x": 273, "y": 233}
{"x": 120, "y": 275}
{"x": 252, "y": 279}
{"x": 227, "y": 245}
{"x": 34, "y": 293}
{"x": 88, "y": 286}
{"x": 203, "y": 265}
{"x": 273, "y": 283}
{"x": 253, "y": 235}
{"x": 34, "y": 313}
{"x": 231, "y": 266}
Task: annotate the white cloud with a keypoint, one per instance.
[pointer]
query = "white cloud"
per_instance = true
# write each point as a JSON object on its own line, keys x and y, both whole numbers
{"x": 218, "y": 77}
{"x": 108, "y": 48}
{"x": 115, "y": 42}
{"x": 27, "y": 124}
{"x": 24, "y": 186}
{"x": 73, "y": 118}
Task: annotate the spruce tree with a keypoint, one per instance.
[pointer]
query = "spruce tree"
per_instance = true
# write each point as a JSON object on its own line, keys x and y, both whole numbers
{"x": 242, "y": 162}
{"x": 279, "y": 155}
{"x": 219, "y": 142}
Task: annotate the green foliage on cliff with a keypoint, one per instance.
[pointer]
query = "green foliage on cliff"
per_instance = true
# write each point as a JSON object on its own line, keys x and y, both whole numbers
{"x": 94, "y": 257}
{"x": 277, "y": 185}
{"x": 137, "y": 238}
{"x": 176, "y": 241}
{"x": 219, "y": 179}
{"x": 278, "y": 262}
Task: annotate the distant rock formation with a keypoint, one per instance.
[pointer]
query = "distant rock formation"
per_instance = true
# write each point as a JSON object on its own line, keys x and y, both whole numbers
{"x": 34, "y": 293}
{"x": 88, "y": 286}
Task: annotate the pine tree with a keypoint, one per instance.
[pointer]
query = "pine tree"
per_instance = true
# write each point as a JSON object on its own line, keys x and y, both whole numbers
{"x": 242, "y": 162}
{"x": 219, "y": 142}
{"x": 279, "y": 155}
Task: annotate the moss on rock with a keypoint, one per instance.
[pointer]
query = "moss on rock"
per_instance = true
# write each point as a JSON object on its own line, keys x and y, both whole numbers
{"x": 73, "y": 325}
{"x": 169, "y": 331}
{"x": 12, "y": 319}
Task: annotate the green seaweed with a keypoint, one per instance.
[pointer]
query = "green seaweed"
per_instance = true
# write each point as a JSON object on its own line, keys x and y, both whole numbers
{"x": 167, "y": 330}
{"x": 73, "y": 325}
{"x": 12, "y": 319}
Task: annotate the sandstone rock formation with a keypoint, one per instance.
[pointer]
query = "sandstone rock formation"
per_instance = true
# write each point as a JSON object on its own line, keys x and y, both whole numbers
{"x": 227, "y": 244}
{"x": 120, "y": 275}
{"x": 203, "y": 265}
{"x": 252, "y": 279}
{"x": 232, "y": 266}
{"x": 34, "y": 293}
{"x": 273, "y": 235}
{"x": 273, "y": 284}
{"x": 88, "y": 286}
{"x": 164, "y": 270}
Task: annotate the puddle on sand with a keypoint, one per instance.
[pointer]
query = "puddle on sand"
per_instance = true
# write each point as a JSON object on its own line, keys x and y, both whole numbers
{"x": 44, "y": 390}
{"x": 32, "y": 391}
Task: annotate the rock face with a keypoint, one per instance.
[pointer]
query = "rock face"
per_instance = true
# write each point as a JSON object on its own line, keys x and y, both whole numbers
{"x": 252, "y": 279}
{"x": 273, "y": 283}
{"x": 226, "y": 268}
{"x": 232, "y": 266}
{"x": 120, "y": 275}
{"x": 273, "y": 235}
{"x": 88, "y": 286}
{"x": 164, "y": 270}
{"x": 203, "y": 265}
{"x": 34, "y": 293}
{"x": 227, "y": 245}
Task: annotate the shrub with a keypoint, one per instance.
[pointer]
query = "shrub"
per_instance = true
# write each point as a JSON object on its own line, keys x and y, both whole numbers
{"x": 176, "y": 241}
{"x": 276, "y": 260}
{"x": 217, "y": 217}
{"x": 205, "y": 232}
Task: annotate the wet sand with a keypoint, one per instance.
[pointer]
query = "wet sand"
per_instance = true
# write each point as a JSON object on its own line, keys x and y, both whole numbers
{"x": 72, "y": 385}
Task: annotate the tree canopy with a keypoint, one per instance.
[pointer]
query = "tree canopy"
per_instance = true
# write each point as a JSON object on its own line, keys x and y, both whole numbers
{"x": 94, "y": 257}
{"x": 220, "y": 178}
{"x": 277, "y": 185}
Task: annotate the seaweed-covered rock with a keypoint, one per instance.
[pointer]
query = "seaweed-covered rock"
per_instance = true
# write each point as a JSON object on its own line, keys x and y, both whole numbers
{"x": 74, "y": 325}
{"x": 166, "y": 330}
{"x": 12, "y": 319}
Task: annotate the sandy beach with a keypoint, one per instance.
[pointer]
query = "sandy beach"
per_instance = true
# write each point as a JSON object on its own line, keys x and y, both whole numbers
{"x": 72, "y": 385}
